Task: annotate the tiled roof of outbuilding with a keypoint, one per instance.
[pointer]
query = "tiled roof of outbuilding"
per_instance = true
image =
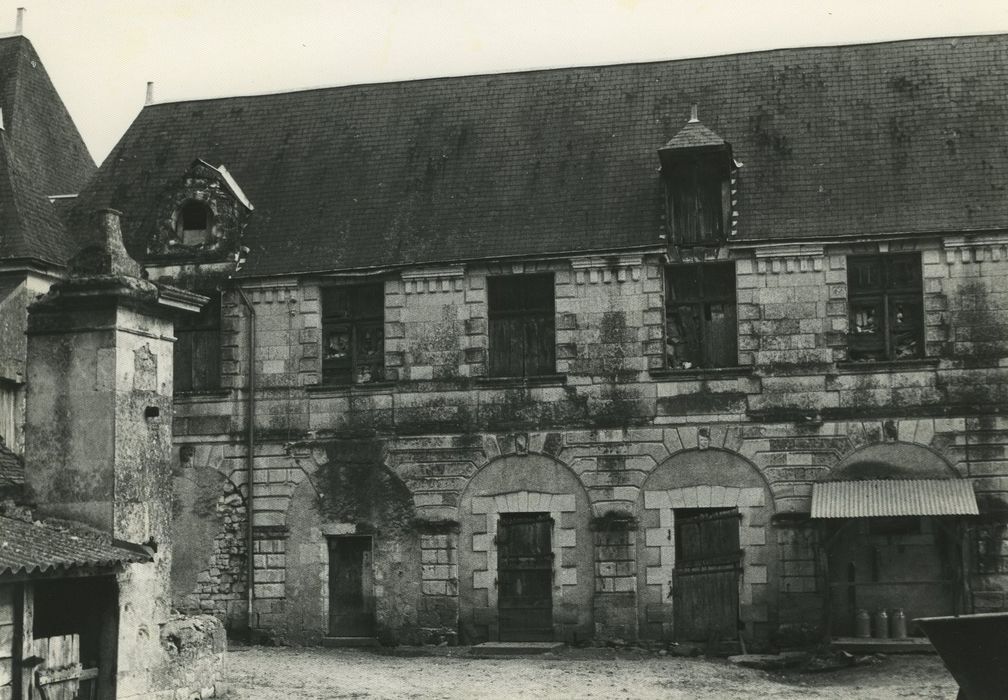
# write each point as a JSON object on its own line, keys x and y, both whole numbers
{"x": 11, "y": 467}
{"x": 871, "y": 139}
{"x": 41, "y": 546}
{"x": 41, "y": 154}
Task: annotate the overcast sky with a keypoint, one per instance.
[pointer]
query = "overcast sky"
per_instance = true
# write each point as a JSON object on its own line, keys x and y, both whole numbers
{"x": 101, "y": 53}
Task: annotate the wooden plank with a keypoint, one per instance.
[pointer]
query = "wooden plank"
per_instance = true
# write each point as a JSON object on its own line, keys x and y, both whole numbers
{"x": 41, "y": 649}
{"x": 7, "y": 605}
{"x": 7, "y": 640}
{"x": 27, "y": 646}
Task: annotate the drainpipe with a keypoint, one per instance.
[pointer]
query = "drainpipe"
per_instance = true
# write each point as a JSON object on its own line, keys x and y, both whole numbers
{"x": 250, "y": 457}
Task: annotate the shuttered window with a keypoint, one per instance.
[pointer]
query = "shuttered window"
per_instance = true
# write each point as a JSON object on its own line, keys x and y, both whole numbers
{"x": 697, "y": 200}
{"x": 353, "y": 334}
{"x": 701, "y": 326}
{"x": 522, "y": 325}
{"x": 197, "y": 348}
{"x": 886, "y": 307}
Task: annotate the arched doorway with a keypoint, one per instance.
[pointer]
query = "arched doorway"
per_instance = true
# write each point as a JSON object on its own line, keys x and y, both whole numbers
{"x": 352, "y": 554}
{"x": 525, "y": 553}
{"x": 705, "y": 549}
{"x": 892, "y": 535}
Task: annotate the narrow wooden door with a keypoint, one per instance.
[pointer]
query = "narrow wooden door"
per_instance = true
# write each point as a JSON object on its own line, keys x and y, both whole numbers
{"x": 525, "y": 577}
{"x": 59, "y": 676}
{"x": 351, "y": 587}
{"x": 705, "y": 586}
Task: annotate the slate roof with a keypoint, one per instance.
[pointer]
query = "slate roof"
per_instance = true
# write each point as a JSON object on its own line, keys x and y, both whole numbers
{"x": 869, "y": 139}
{"x": 43, "y": 546}
{"x": 41, "y": 154}
{"x": 695, "y": 135}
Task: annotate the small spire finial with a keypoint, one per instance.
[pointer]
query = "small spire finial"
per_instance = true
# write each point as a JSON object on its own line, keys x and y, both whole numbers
{"x": 19, "y": 24}
{"x": 693, "y": 114}
{"x": 150, "y": 93}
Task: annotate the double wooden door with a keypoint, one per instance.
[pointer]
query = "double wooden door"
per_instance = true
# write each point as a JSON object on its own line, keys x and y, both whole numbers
{"x": 705, "y": 588}
{"x": 525, "y": 577}
{"x": 351, "y": 587}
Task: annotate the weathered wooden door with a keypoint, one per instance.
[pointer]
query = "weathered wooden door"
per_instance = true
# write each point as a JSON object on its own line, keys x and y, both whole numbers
{"x": 705, "y": 595}
{"x": 525, "y": 577}
{"x": 60, "y": 675}
{"x": 351, "y": 587}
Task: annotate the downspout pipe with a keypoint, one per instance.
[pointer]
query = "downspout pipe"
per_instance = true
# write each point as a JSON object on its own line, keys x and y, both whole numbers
{"x": 250, "y": 456}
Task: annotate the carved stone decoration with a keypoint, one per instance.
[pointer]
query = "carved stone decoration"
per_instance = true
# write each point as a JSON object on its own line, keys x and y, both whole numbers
{"x": 225, "y": 209}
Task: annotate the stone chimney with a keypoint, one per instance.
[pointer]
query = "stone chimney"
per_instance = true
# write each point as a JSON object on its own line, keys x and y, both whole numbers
{"x": 98, "y": 419}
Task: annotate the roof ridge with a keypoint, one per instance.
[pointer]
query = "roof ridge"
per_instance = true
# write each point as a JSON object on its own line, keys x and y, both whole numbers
{"x": 551, "y": 69}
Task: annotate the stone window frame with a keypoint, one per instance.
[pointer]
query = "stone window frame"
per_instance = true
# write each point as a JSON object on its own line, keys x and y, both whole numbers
{"x": 907, "y": 297}
{"x": 748, "y": 500}
{"x": 703, "y": 301}
{"x": 356, "y": 322}
{"x": 524, "y": 502}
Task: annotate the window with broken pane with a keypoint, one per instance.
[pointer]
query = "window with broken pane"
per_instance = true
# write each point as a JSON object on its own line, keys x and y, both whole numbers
{"x": 522, "y": 325}
{"x": 885, "y": 304}
{"x": 353, "y": 334}
{"x": 701, "y": 330}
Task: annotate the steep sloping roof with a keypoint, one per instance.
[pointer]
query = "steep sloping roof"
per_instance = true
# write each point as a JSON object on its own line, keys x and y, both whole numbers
{"x": 41, "y": 546}
{"x": 41, "y": 154}
{"x": 695, "y": 135}
{"x": 871, "y": 139}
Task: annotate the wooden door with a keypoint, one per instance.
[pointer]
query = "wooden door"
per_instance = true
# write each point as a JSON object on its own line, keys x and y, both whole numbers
{"x": 351, "y": 587}
{"x": 705, "y": 586}
{"x": 60, "y": 675}
{"x": 525, "y": 577}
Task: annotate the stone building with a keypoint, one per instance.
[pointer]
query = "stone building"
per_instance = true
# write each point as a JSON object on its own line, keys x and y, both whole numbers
{"x": 43, "y": 164}
{"x": 689, "y": 350}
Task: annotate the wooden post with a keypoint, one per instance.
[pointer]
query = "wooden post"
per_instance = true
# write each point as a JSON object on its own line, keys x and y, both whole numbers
{"x": 27, "y": 638}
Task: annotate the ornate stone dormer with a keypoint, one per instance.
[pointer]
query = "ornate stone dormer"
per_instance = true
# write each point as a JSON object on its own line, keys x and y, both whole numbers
{"x": 699, "y": 182}
{"x": 201, "y": 217}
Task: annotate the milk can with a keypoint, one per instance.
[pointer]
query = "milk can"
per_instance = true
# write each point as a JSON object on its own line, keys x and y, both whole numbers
{"x": 862, "y": 624}
{"x": 897, "y": 624}
{"x": 881, "y": 625}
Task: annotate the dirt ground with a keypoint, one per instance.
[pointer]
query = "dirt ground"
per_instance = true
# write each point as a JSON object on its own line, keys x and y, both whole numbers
{"x": 272, "y": 673}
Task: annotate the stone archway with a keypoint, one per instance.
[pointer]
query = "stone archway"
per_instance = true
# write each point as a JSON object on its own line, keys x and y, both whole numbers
{"x": 691, "y": 482}
{"x": 891, "y": 539}
{"x": 891, "y": 460}
{"x": 350, "y": 494}
{"x": 527, "y": 484}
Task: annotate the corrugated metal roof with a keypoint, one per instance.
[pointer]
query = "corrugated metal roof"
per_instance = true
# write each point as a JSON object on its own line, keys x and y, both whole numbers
{"x": 892, "y": 497}
{"x": 30, "y": 547}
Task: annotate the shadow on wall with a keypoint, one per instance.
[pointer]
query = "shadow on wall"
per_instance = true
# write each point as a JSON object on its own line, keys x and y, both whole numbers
{"x": 208, "y": 555}
{"x": 351, "y": 494}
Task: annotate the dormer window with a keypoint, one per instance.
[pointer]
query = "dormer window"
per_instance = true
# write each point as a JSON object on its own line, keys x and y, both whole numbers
{"x": 201, "y": 218}
{"x": 194, "y": 224}
{"x": 696, "y": 169}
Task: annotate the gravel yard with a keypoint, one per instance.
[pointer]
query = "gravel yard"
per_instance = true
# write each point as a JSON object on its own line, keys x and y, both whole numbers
{"x": 296, "y": 673}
